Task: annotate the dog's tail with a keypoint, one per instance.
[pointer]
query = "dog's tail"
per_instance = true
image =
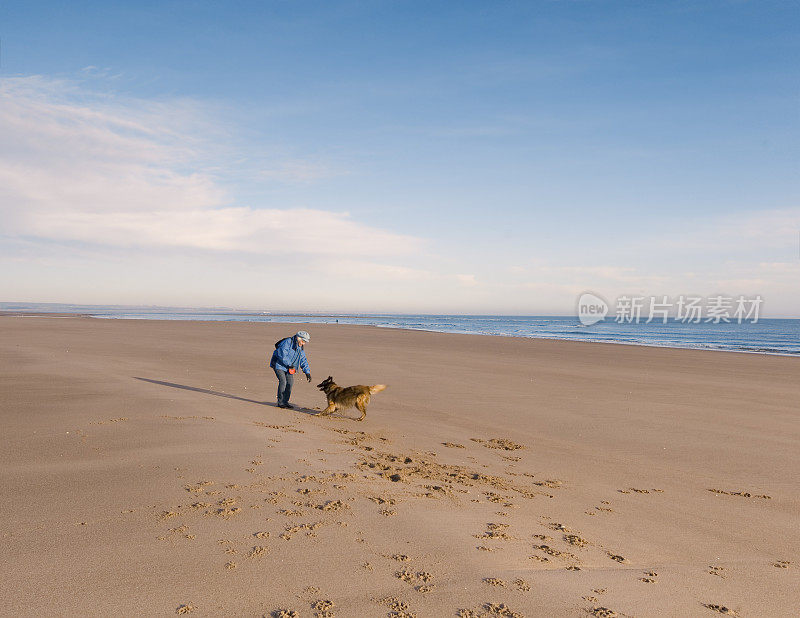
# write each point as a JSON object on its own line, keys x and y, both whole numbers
{"x": 377, "y": 388}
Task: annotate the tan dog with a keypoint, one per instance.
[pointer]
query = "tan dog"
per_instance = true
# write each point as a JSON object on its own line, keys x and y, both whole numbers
{"x": 342, "y": 398}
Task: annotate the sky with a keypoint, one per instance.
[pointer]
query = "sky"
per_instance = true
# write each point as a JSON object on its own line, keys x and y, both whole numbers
{"x": 397, "y": 156}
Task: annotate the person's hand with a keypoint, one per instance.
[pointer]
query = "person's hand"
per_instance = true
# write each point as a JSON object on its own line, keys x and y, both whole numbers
{"x": 308, "y": 377}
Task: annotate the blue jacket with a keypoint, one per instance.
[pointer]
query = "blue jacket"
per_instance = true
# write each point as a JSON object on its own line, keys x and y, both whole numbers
{"x": 289, "y": 354}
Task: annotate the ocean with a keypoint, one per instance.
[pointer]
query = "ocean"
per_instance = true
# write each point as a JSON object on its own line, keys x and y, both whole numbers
{"x": 767, "y": 336}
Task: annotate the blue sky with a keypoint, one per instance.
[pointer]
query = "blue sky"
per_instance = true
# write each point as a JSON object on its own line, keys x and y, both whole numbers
{"x": 399, "y": 156}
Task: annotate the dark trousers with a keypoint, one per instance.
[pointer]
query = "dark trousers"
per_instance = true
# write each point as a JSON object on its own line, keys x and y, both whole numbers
{"x": 285, "y": 381}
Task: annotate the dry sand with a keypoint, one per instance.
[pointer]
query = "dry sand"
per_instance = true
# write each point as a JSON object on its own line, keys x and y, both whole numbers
{"x": 144, "y": 474}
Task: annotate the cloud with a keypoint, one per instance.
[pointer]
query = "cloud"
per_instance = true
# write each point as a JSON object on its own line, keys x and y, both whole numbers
{"x": 264, "y": 231}
{"x": 584, "y": 275}
{"x": 298, "y": 171}
{"x": 78, "y": 165}
{"x": 732, "y": 233}
{"x": 781, "y": 267}
{"x": 362, "y": 269}
{"x": 467, "y": 280}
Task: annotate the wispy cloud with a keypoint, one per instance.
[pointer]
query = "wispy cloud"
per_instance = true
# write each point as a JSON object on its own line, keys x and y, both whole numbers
{"x": 731, "y": 233}
{"x": 263, "y": 231}
{"x": 81, "y": 166}
{"x": 362, "y": 269}
{"x": 299, "y": 171}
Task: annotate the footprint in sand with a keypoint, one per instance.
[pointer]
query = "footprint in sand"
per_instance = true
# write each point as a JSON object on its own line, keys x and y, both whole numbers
{"x": 489, "y": 609}
{"x": 640, "y": 491}
{"x": 496, "y": 498}
{"x": 285, "y": 613}
{"x": 225, "y": 513}
{"x": 306, "y": 491}
{"x": 499, "y": 443}
{"x": 493, "y": 581}
{"x": 605, "y": 508}
{"x": 181, "y": 531}
{"x": 284, "y": 428}
{"x": 185, "y": 608}
{"x": 198, "y": 487}
{"x": 110, "y": 420}
{"x": 649, "y": 578}
{"x": 495, "y": 531}
{"x": 259, "y": 551}
{"x": 550, "y": 551}
{"x": 400, "y": 609}
{"x": 603, "y": 612}
{"x": 575, "y": 540}
{"x": 522, "y": 585}
{"x": 741, "y": 494}
{"x": 721, "y": 609}
{"x": 717, "y": 570}
{"x": 323, "y": 608}
{"x": 781, "y": 564}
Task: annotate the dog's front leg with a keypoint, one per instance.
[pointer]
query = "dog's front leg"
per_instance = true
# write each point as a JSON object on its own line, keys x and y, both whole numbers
{"x": 329, "y": 410}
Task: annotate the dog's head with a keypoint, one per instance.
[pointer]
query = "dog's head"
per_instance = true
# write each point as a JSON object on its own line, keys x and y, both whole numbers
{"x": 326, "y": 383}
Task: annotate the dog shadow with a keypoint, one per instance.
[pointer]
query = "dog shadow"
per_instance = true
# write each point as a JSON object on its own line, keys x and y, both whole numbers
{"x": 206, "y": 391}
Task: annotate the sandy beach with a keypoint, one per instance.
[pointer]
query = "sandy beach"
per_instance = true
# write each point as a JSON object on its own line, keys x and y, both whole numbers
{"x": 147, "y": 471}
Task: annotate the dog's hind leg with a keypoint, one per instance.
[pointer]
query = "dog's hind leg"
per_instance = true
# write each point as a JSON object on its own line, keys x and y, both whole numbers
{"x": 362, "y": 407}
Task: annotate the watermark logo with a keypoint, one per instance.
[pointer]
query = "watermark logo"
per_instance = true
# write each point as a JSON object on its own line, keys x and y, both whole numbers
{"x": 686, "y": 309}
{"x": 591, "y": 309}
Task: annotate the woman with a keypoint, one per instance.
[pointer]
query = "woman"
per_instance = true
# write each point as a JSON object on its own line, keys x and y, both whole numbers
{"x": 286, "y": 359}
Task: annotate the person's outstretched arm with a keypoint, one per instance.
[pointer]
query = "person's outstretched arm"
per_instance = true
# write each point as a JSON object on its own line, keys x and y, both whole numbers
{"x": 304, "y": 365}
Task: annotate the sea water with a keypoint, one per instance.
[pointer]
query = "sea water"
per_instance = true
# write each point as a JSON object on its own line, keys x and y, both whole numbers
{"x": 770, "y": 336}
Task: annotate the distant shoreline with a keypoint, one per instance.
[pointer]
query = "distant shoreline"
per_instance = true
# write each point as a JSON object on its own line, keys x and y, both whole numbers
{"x": 321, "y": 319}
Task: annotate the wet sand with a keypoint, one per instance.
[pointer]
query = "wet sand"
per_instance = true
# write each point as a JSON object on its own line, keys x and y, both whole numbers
{"x": 147, "y": 471}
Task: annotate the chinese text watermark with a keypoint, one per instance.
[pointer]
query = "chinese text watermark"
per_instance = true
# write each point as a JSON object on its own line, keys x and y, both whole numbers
{"x": 686, "y": 309}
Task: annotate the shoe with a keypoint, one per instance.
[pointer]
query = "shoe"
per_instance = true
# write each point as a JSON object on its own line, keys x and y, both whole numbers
{"x": 288, "y": 406}
{"x": 282, "y": 405}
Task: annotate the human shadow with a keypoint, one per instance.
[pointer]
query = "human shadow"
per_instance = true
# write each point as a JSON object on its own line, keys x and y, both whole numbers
{"x": 227, "y": 395}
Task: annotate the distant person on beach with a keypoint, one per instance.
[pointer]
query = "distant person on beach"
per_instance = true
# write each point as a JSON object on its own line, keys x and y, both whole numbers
{"x": 287, "y": 358}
